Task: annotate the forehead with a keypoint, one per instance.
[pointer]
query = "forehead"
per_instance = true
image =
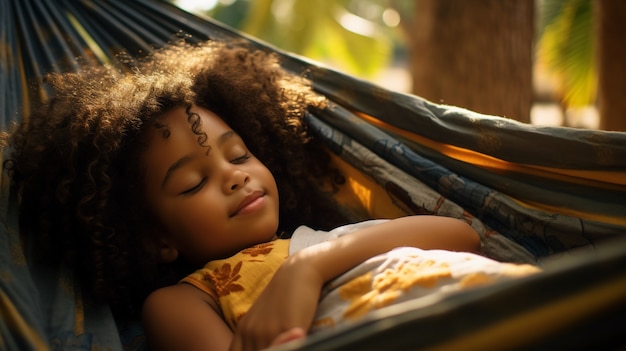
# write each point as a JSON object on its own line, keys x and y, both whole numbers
{"x": 180, "y": 121}
{"x": 178, "y": 134}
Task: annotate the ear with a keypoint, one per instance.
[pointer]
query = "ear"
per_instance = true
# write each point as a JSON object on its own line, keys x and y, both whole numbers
{"x": 166, "y": 252}
{"x": 158, "y": 243}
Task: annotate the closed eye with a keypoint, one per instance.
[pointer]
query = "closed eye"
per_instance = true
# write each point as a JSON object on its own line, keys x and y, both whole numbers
{"x": 241, "y": 159}
{"x": 195, "y": 188}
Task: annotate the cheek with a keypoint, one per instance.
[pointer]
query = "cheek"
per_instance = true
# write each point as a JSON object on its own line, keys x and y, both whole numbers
{"x": 201, "y": 212}
{"x": 266, "y": 176}
{"x": 188, "y": 215}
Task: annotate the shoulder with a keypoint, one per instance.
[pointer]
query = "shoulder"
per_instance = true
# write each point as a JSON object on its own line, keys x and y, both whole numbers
{"x": 183, "y": 317}
{"x": 161, "y": 298}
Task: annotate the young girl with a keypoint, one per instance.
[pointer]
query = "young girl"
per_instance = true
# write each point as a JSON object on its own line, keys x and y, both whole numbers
{"x": 76, "y": 162}
{"x": 211, "y": 201}
{"x": 136, "y": 179}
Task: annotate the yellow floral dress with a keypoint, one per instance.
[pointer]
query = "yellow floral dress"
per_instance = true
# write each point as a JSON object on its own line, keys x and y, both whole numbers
{"x": 236, "y": 282}
{"x": 388, "y": 279}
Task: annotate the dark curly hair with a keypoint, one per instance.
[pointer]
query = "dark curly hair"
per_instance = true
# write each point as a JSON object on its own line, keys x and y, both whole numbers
{"x": 75, "y": 160}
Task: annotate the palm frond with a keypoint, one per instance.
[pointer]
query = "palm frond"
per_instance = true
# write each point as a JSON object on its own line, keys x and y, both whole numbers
{"x": 566, "y": 48}
{"x": 325, "y": 31}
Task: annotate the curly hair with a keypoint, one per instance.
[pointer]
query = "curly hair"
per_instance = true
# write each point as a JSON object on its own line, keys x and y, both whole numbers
{"x": 75, "y": 161}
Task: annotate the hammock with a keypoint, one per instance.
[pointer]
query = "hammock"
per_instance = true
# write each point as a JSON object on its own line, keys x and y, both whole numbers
{"x": 551, "y": 196}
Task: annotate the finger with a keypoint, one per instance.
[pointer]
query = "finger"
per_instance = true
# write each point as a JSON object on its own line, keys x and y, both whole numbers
{"x": 289, "y": 335}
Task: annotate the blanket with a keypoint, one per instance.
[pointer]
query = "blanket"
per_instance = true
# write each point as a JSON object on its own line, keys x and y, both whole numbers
{"x": 400, "y": 275}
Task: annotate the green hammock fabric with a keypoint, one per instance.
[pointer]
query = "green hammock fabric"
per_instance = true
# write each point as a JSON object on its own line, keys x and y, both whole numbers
{"x": 533, "y": 193}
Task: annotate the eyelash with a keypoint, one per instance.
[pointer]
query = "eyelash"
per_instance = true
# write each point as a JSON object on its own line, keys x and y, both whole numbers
{"x": 194, "y": 189}
{"x": 241, "y": 159}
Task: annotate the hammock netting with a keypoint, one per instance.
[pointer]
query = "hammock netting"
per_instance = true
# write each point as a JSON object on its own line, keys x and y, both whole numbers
{"x": 535, "y": 194}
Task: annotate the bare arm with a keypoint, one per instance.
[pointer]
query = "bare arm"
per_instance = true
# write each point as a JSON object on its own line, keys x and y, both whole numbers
{"x": 292, "y": 296}
{"x": 335, "y": 257}
{"x": 181, "y": 317}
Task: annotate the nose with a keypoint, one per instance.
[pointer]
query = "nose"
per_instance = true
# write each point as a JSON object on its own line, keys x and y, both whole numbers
{"x": 237, "y": 180}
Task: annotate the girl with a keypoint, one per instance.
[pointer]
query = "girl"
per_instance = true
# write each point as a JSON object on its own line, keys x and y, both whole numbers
{"x": 75, "y": 161}
{"x": 212, "y": 201}
{"x": 136, "y": 179}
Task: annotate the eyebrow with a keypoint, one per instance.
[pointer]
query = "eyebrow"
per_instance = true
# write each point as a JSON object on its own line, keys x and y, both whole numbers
{"x": 185, "y": 159}
{"x": 224, "y": 137}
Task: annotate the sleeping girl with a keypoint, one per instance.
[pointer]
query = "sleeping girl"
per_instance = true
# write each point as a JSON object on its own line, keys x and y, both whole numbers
{"x": 189, "y": 192}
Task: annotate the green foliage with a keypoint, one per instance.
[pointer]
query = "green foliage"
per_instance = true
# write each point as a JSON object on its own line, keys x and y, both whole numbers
{"x": 566, "y": 48}
{"x": 323, "y": 30}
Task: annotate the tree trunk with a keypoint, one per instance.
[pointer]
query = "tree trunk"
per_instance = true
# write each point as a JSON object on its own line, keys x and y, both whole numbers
{"x": 475, "y": 54}
{"x": 611, "y": 51}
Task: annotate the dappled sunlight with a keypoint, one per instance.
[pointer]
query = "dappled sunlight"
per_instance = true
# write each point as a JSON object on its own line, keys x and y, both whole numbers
{"x": 375, "y": 40}
{"x": 196, "y": 5}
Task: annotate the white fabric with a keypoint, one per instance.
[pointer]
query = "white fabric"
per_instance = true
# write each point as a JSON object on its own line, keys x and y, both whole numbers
{"x": 396, "y": 276}
{"x": 304, "y": 236}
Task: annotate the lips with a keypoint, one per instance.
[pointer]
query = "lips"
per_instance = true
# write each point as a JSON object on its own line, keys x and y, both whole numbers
{"x": 250, "y": 203}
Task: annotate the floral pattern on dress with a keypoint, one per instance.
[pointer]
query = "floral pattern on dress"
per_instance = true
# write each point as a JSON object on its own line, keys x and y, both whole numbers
{"x": 260, "y": 249}
{"x": 224, "y": 279}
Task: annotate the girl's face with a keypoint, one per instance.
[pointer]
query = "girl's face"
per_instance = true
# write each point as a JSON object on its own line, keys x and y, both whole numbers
{"x": 208, "y": 205}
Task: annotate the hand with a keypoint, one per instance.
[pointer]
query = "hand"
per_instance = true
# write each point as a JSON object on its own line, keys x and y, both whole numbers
{"x": 284, "y": 311}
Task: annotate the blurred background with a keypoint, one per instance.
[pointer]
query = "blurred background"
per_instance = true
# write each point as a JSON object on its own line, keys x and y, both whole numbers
{"x": 546, "y": 62}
